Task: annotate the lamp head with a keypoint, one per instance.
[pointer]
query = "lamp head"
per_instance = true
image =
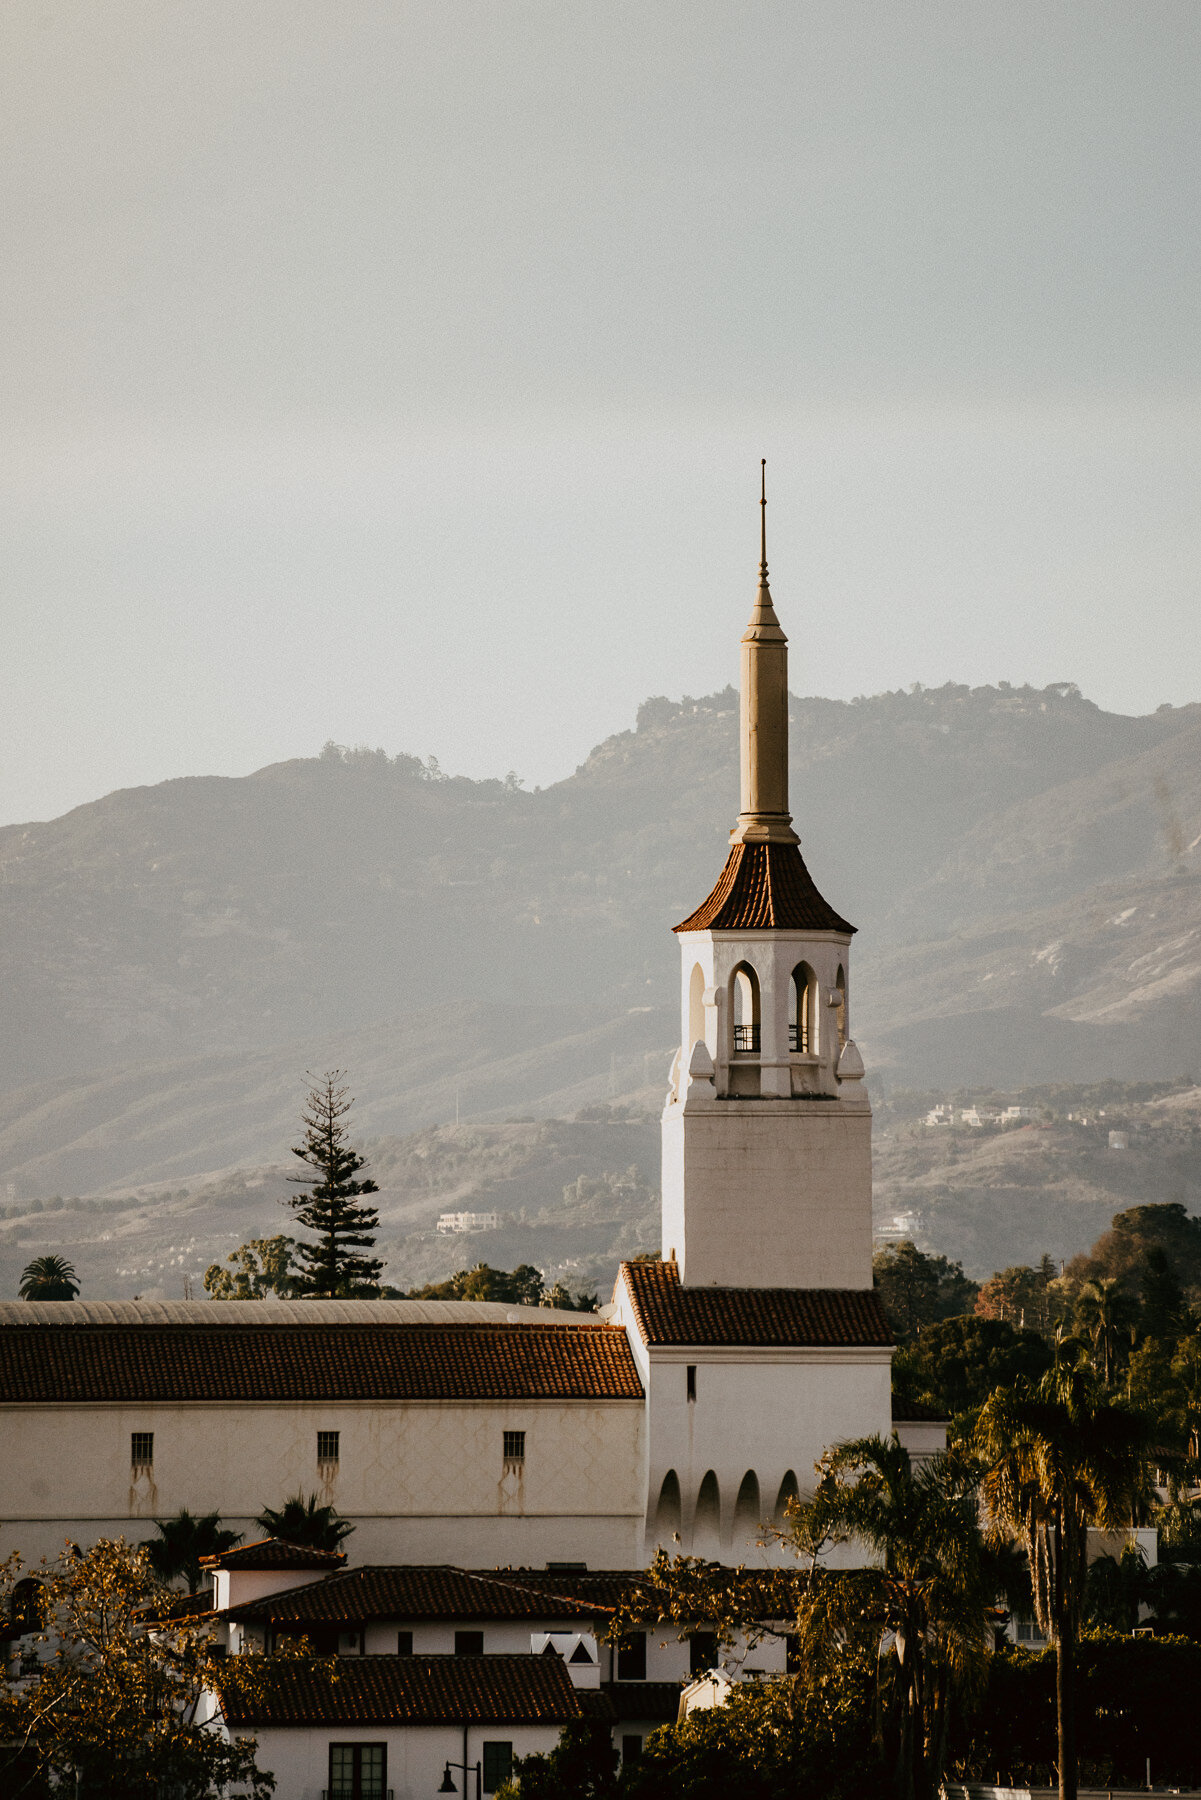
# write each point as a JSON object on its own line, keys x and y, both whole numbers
{"x": 448, "y": 1785}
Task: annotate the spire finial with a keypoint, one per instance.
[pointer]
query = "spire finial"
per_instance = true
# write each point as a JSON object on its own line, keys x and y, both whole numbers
{"x": 763, "y": 523}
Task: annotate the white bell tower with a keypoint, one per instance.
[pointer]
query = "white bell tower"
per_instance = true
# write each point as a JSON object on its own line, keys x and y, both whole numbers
{"x": 767, "y": 1129}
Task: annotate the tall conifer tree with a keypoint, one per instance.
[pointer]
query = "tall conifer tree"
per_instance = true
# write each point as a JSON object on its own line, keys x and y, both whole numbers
{"x": 334, "y": 1267}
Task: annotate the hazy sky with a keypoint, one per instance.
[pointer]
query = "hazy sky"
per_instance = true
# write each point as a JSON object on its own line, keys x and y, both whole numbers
{"x": 398, "y": 372}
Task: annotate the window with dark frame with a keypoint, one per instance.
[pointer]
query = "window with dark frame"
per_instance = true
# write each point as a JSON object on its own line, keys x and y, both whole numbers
{"x": 631, "y": 1749}
{"x": 469, "y": 1643}
{"x": 702, "y": 1652}
{"x": 690, "y": 1381}
{"x": 792, "y": 1654}
{"x": 358, "y": 1771}
{"x": 141, "y": 1449}
{"x": 404, "y": 1643}
{"x": 514, "y": 1447}
{"x": 631, "y": 1657}
{"x": 327, "y": 1446}
{"x": 498, "y": 1765}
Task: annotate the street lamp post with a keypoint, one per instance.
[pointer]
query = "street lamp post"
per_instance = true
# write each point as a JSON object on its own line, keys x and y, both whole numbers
{"x": 448, "y": 1786}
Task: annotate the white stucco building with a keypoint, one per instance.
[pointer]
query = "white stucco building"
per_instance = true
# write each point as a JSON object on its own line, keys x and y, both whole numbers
{"x": 505, "y": 1467}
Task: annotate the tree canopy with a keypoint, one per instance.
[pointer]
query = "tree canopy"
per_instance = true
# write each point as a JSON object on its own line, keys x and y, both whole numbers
{"x": 917, "y": 1289}
{"x": 106, "y": 1707}
{"x": 308, "y": 1522}
{"x": 335, "y": 1266}
{"x": 48, "y": 1278}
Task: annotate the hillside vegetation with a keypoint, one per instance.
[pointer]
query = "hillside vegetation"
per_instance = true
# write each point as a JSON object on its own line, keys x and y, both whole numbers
{"x": 1022, "y": 865}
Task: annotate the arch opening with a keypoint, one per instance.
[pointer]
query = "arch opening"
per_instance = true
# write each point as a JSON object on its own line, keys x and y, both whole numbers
{"x": 667, "y": 1513}
{"x": 696, "y": 1007}
{"x": 788, "y": 1491}
{"x": 744, "y": 1008}
{"x": 802, "y": 1039}
{"x": 748, "y": 1513}
{"x": 706, "y": 1521}
{"x": 840, "y": 1007}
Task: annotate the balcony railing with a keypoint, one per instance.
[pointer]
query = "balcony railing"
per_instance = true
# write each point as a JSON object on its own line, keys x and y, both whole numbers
{"x": 746, "y": 1037}
{"x": 798, "y": 1040}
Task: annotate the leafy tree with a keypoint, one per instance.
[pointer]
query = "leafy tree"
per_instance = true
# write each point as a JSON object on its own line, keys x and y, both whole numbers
{"x": 1120, "y": 1253}
{"x": 1115, "y": 1587}
{"x": 582, "y": 1766}
{"x": 1164, "y": 1309}
{"x": 110, "y": 1712}
{"x": 305, "y": 1522}
{"x": 1127, "y": 1685}
{"x": 48, "y": 1278}
{"x": 182, "y": 1541}
{"x": 957, "y": 1364}
{"x": 770, "y": 1741}
{"x": 334, "y": 1266}
{"x": 916, "y": 1289}
{"x": 1061, "y": 1457}
{"x": 522, "y": 1286}
{"x": 1106, "y": 1313}
{"x": 561, "y": 1297}
{"x": 920, "y": 1610}
{"x": 260, "y": 1267}
{"x": 1025, "y": 1297}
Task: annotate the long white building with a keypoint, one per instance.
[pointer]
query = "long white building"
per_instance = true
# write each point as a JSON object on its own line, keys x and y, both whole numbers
{"x": 485, "y": 1435}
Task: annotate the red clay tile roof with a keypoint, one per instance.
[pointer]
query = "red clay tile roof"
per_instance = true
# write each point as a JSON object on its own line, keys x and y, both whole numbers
{"x": 274, "y": 1553}
{"x": 46, "y": 1362}
{"x": 644, "y": 1699}
{"x": 765, "y": 887}
{"x": 413, "y": 1591}
{"x": 667, "y": 1313}
{"x": 402, "y": 1690}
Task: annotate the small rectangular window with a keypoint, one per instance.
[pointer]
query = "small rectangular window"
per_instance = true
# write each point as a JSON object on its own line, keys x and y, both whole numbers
{"x": 498, "y": 1765}
{"x": 404, "y": 1643}
{"x": 631, "y": 1657}
{"x": 469, "y": 1643}
{"x": 702, "y": 1652}
{"x": 631, "y": 1749}
{"x": 691, "y": 1381}
{"x": 141, "y": 1449}
{"x": 514, "y": 1447}
{"x": 327, "y": 1447}
{"x": 792, "y": 1654}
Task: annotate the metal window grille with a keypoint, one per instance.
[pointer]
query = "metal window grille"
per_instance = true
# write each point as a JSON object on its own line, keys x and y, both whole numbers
{"x": 498, "y": 1765}
{"x": 327, "y": 1446}
{"x": 141, "y": 1449}
{"x": 514, "y": 1446}
{"x": 746, "y": 1037}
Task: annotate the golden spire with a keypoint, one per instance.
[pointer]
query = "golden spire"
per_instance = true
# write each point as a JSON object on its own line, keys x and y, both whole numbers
{"x": 764, "y": 815}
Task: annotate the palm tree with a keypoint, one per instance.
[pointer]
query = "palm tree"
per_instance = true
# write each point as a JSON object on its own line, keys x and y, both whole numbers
{"x": 920, "y": 1613}
{"x": 183, "y": 1540}
{"x": 48, "y": 1278}
{"x": 1060, "y": 1457}
{"x": 305, "y": 1522}
{"x": 1107, "y": 1314}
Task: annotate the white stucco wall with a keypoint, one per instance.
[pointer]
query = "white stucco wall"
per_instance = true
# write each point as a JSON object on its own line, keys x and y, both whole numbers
{"x": 766, "y": 1412}
{"x": 768, "y": 1193}
{"x": 423, "y": 1481}
{"x": 299, "y": 1758}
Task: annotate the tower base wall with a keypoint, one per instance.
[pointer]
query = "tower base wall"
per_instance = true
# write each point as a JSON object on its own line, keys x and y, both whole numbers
{"x": 779, "y": 1194}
